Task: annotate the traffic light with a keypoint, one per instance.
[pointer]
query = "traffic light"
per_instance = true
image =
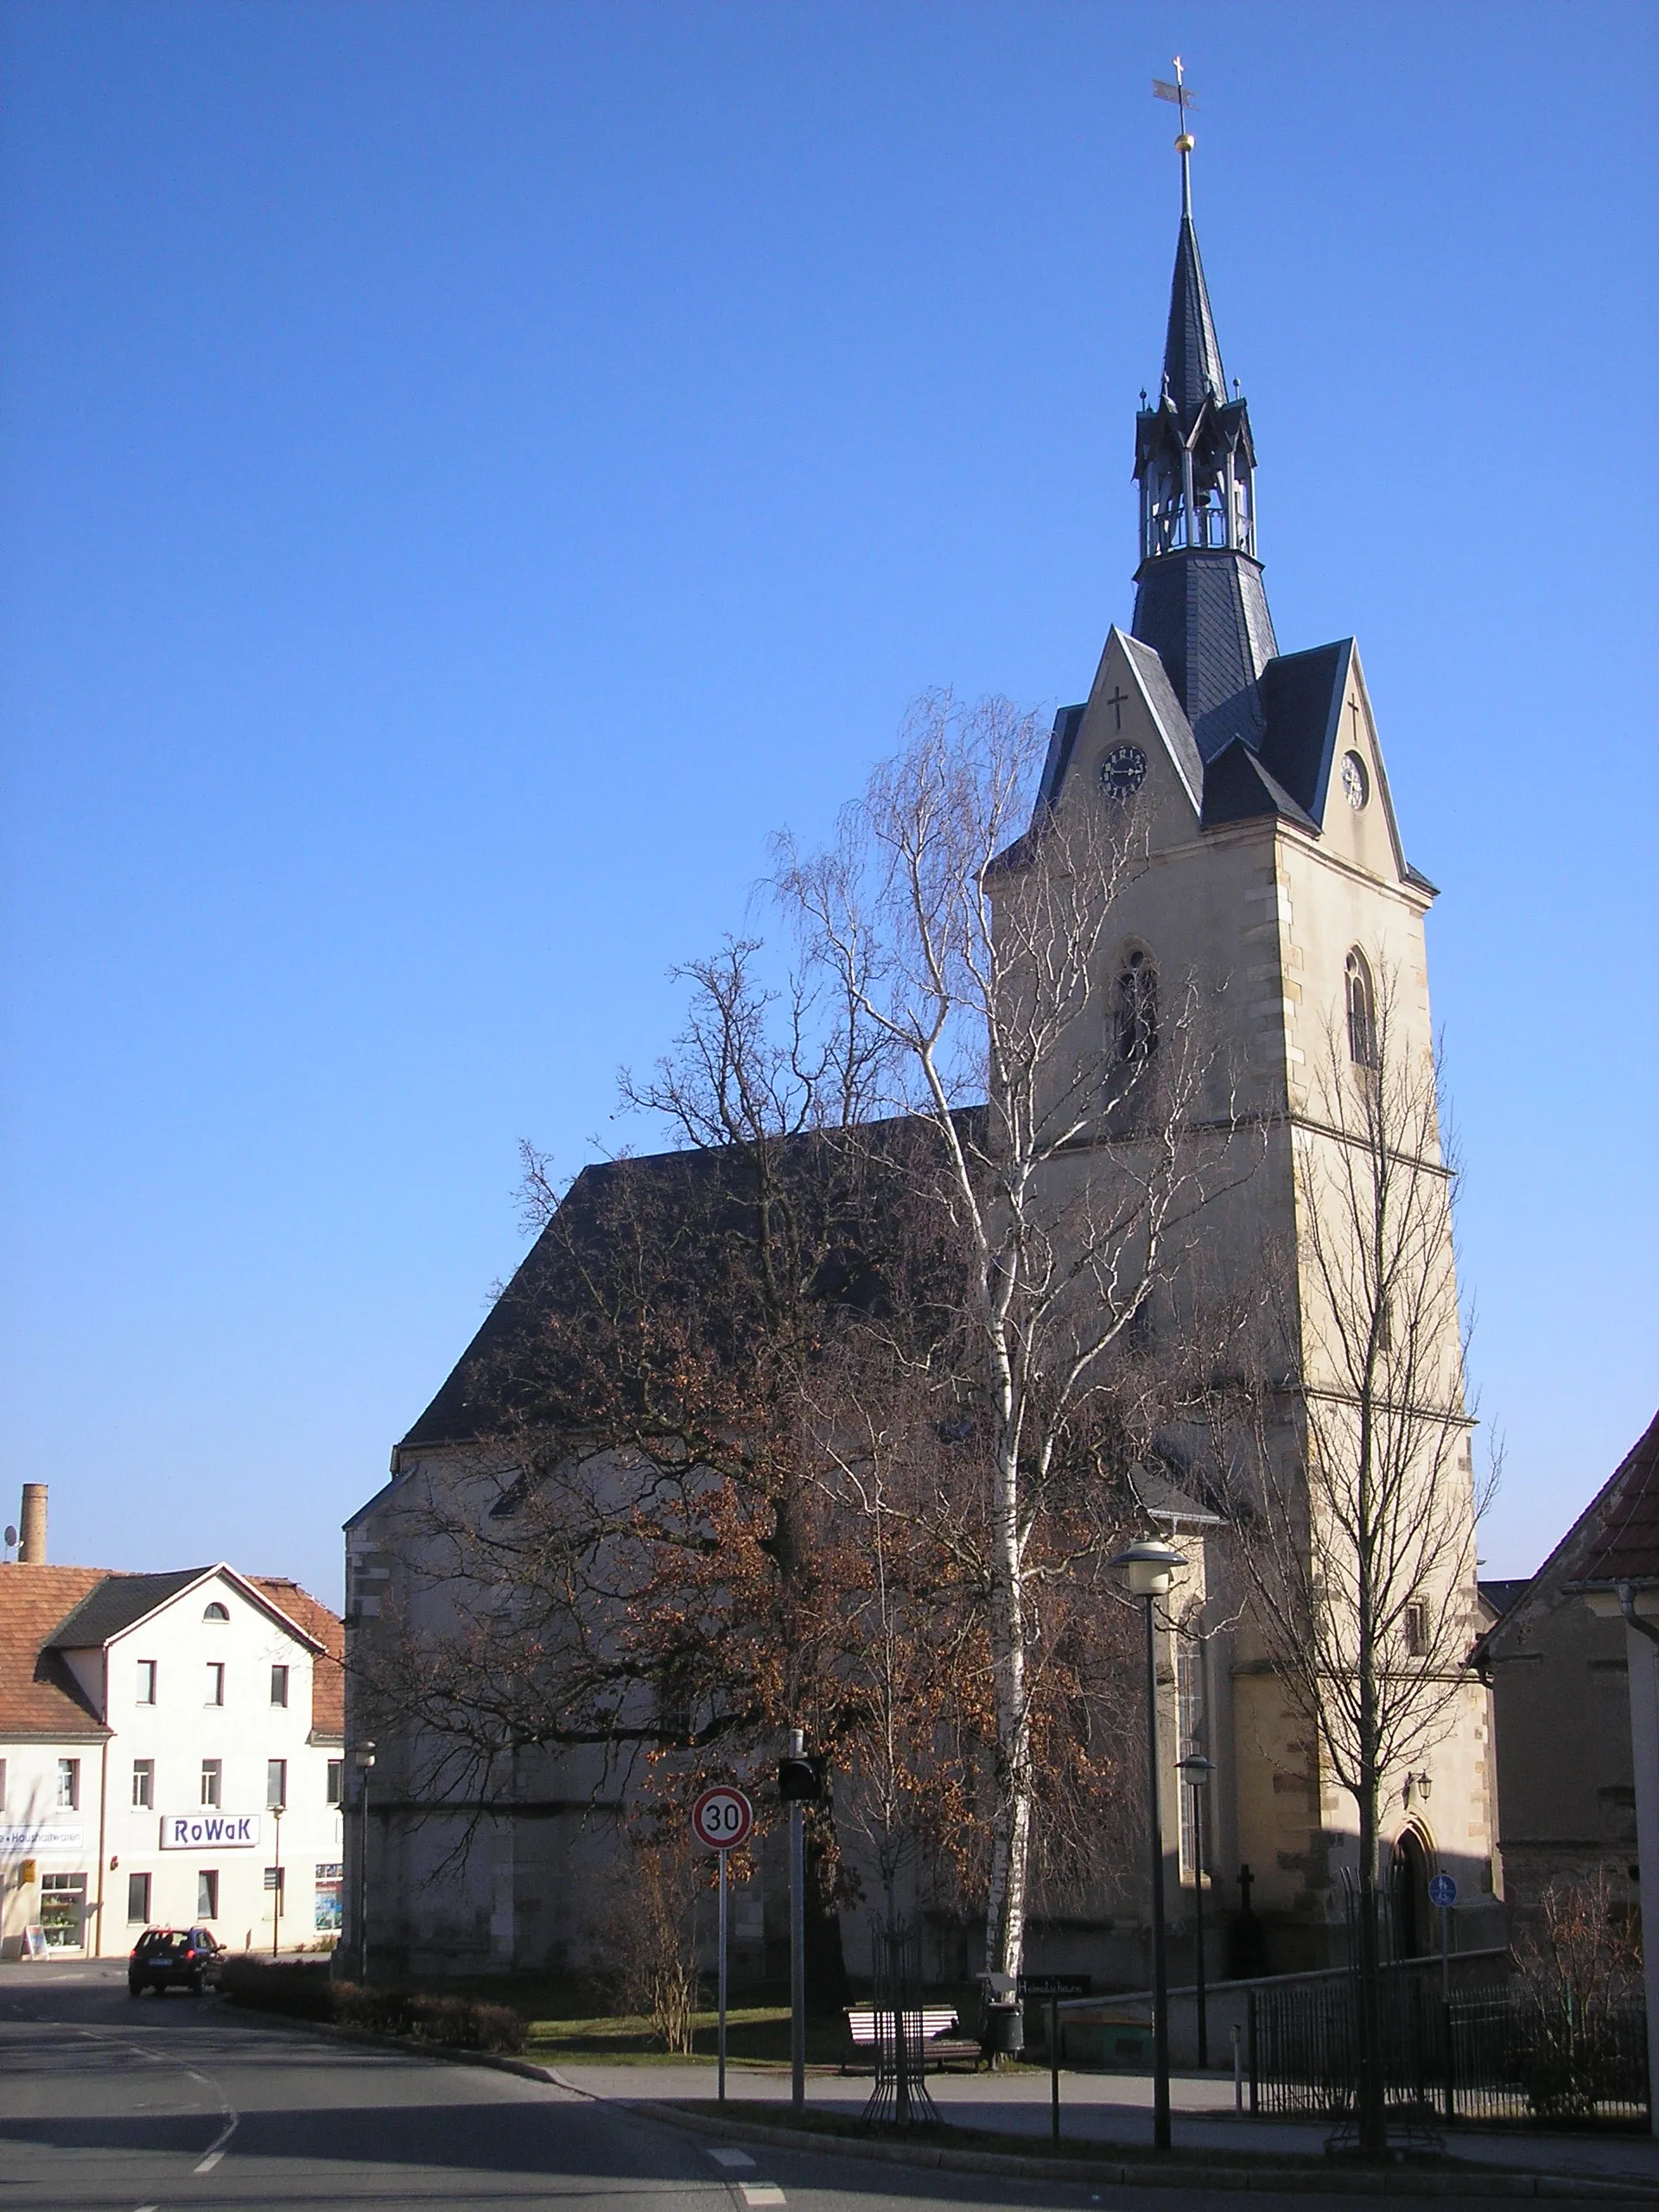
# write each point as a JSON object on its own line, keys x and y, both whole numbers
{"x": 800, "y": 1781}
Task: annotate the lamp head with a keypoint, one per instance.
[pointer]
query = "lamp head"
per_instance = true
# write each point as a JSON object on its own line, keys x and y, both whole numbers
{"x": 1151, "y": 1566}
{"x": 1196, "y": 1768}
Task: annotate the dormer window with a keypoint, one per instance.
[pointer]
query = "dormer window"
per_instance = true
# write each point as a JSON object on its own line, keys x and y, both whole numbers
{"x": 1362, "y": 1011}
{"x": 217, "y": 1613}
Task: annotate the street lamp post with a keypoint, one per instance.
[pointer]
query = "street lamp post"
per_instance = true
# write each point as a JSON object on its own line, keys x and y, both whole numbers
{"x": 1196, "y": 1770}
{"x": 364, "y": 1760}
{"x": 276, "y": 1811}
{"x": 1149, "y": 1568}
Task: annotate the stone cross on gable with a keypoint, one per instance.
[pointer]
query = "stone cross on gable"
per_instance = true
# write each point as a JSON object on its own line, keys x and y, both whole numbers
{"x": 1118, "y": 700}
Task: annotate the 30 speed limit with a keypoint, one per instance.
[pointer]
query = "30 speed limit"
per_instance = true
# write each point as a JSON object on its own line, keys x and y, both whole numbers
{"x": 722, "y": 1818}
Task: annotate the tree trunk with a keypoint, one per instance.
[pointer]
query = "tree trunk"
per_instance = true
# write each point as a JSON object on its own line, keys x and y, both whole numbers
{"x": 1005, "y": 1919}
{"x": 1373, "y": 2124}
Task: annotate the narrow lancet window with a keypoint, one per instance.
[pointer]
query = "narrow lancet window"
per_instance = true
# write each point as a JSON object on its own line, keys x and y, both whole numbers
{"x": 1136, "y": 1012}
{"x": 1361, "y": 1011}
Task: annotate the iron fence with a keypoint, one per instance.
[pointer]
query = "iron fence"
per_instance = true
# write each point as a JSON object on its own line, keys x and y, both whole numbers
{"x": 1485, "y": 2055}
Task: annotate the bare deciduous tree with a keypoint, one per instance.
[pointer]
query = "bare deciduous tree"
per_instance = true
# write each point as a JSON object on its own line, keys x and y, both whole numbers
{"x": 1360, "y": 1568}
{"x": 970, "y": 930}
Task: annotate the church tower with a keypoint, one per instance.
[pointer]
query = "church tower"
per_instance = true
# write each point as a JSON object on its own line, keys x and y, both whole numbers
{"x": 1275, "y": 883}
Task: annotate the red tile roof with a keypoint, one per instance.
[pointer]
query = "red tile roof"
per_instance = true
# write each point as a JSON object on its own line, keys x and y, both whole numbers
{"x": 1625, "y": 1546}
{"x": 327, "y": 1672}
{"x": 39, "y": 1696}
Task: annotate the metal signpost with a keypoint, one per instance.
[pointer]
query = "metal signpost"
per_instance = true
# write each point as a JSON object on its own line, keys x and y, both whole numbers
{"x": 1053, "y": 1987}
{"x": 720, "y": 1819}
{"x": 1443, "y": 1892}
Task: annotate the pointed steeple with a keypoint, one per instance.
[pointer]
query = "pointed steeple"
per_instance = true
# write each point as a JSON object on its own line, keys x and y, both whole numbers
{"x": 1199, "y": 600}
{"x": 1192, "y": 370}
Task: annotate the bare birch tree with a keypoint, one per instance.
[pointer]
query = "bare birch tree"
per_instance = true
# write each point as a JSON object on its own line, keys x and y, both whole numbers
{"x": 1361, "y": 1574}
{"x": 973, "y": 934}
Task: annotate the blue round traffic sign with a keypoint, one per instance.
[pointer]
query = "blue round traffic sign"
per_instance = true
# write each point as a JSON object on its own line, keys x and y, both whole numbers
{"x": 1443, "y": 1890}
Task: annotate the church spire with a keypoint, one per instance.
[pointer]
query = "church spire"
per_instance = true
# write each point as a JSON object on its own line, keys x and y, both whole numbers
{"x": 1200, "y": 598}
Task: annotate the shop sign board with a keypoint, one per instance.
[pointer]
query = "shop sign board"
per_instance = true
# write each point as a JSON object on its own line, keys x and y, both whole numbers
{"x": 200, "y": 1831}
{"x": 44, "y": 1839}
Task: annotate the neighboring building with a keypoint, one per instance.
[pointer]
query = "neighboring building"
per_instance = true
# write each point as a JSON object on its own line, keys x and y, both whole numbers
{"x": 1278, "y": 880}
{"x": 148, "y": 1724}
{"x": 1572, "y": 1665}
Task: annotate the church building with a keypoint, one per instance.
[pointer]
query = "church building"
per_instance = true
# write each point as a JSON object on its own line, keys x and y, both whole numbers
{"x": 1276, "y": 874}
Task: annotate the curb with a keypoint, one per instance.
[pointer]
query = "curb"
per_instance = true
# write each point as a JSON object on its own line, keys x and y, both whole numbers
{"x": 1338, "y": 2181}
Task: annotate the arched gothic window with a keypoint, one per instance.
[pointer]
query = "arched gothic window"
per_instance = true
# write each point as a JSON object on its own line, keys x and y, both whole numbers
{"x": 1136, "y": 1011}
{"x": 1362, "y": 1011}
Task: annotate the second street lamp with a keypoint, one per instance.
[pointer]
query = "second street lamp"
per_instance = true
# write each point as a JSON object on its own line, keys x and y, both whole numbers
{"x": 1195, "y": 1771}
{"x": 1150, "y": 1566}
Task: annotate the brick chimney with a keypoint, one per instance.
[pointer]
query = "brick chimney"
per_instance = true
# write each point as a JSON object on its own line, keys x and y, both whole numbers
{"x": 31, "y": 1550}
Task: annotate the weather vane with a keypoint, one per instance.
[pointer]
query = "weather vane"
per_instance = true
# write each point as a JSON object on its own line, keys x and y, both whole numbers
{"x": 1182, "y": 97}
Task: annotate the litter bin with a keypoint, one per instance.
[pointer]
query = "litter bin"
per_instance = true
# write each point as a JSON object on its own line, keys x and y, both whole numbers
{"x": 1007, "y": 2029}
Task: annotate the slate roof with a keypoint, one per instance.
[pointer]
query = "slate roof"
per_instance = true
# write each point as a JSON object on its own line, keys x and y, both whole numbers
{"x": 39, "y": 1696}
{"x": 115, "y": 1603}
{"x": 1205, "y": 615}
{"x": 1625, "y": 1546}
{"x": 1503, "y": 1595}
{"x": 1191, "y": 351}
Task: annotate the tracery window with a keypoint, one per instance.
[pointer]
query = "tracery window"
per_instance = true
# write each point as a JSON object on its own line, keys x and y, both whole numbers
{"x": 1362, "y": 1011}
{"x": 1136, "y": 1009}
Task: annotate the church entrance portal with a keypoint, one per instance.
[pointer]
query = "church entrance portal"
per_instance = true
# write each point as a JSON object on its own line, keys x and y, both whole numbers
{"x": 1408, "y": 1896}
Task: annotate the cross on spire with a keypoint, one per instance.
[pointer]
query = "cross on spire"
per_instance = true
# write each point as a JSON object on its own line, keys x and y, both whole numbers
{"x": 1182, "y": 97}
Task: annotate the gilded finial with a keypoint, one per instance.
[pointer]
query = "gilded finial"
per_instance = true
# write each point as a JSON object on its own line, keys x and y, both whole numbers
{"x": 1181, "y": 96}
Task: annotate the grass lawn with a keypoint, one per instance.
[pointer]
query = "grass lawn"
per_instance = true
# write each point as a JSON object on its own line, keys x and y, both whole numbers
{"x": 756, "y": 2033}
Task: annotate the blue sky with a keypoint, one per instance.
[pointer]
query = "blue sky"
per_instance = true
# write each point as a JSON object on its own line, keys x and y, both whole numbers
{"x": 470, "y": 472}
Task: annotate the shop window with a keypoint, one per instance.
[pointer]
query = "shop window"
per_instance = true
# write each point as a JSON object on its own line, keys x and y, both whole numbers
{"x": 63, "y": 1910}
{"x": 138, "y": 1900}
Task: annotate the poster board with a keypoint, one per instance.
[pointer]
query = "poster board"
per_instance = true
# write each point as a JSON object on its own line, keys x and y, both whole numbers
{"x": 34, "y": 1941}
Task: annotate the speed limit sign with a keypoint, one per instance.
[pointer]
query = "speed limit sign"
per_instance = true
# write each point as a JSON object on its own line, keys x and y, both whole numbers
{"x": 721, "y": 1817}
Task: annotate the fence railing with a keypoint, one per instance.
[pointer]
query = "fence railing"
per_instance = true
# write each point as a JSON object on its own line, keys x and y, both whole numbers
{"x": 1489, "y": 2054}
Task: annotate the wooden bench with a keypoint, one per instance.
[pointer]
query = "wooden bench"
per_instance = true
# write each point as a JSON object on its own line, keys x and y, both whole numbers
{"x": 940, "y": 2046}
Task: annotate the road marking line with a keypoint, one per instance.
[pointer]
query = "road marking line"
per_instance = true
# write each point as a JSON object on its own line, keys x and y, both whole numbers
{"x": 762, "y": 2192}
{"x": 205, "y": 2165}
{"x": 726, "y": 2155}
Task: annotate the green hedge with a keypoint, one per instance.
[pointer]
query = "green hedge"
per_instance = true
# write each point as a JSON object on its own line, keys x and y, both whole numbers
{"x": 305, "y": 1991}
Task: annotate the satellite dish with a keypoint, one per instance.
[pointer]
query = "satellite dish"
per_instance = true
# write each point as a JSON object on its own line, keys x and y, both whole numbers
{"x": 12, "y": 1533}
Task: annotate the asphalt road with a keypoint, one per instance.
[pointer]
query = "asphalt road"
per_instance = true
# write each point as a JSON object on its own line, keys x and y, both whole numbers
{"x": 112, "y": 2104}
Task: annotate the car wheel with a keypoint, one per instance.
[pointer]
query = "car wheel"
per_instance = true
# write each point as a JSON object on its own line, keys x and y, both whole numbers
{"x": 135, "y": 1987}
{"x": 195, "y": 1985}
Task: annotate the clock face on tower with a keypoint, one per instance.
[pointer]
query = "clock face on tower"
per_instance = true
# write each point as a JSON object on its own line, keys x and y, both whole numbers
{"x": 1122, "y": 770}
{"x": 1355, "y": 782}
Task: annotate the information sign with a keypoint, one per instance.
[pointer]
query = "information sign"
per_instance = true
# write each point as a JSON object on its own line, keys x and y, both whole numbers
{"x": 1034, "y": 1985}
{"x": 722, "y": 1818}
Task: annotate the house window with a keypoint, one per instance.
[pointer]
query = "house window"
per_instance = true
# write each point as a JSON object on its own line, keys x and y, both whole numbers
{"x": 68, "y": 1785}
{"x": 138, "y": 1900}
{"x": 216, "y": 1612}
{"x": 1362, "y": 1011}
{"x": 213, "y": 1778}
{"x": 277, "y": 1784}
{"x": 1135, "y": 1011}
{"x": 1417, "y": 1628}
{"x": 144, "y": 1786}
{"x": 276, "y": 1883}
{"x": 207, "y": 1894}
{"x": 146, "y": 1681}
{"x": 215, "y": 1681}
{"x": 279, "y": 1686}
{"x": 336, "y": 1781}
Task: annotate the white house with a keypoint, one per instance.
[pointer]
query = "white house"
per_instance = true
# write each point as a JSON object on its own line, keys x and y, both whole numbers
{"x": 170, "y": 1753}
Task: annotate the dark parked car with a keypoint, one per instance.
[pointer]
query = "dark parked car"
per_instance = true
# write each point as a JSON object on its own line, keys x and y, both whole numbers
{"x": 174, "y": 1958}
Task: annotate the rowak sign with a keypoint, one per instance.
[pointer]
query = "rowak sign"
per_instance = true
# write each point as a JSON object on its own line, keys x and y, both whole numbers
{"x": 224, "y": 1831}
